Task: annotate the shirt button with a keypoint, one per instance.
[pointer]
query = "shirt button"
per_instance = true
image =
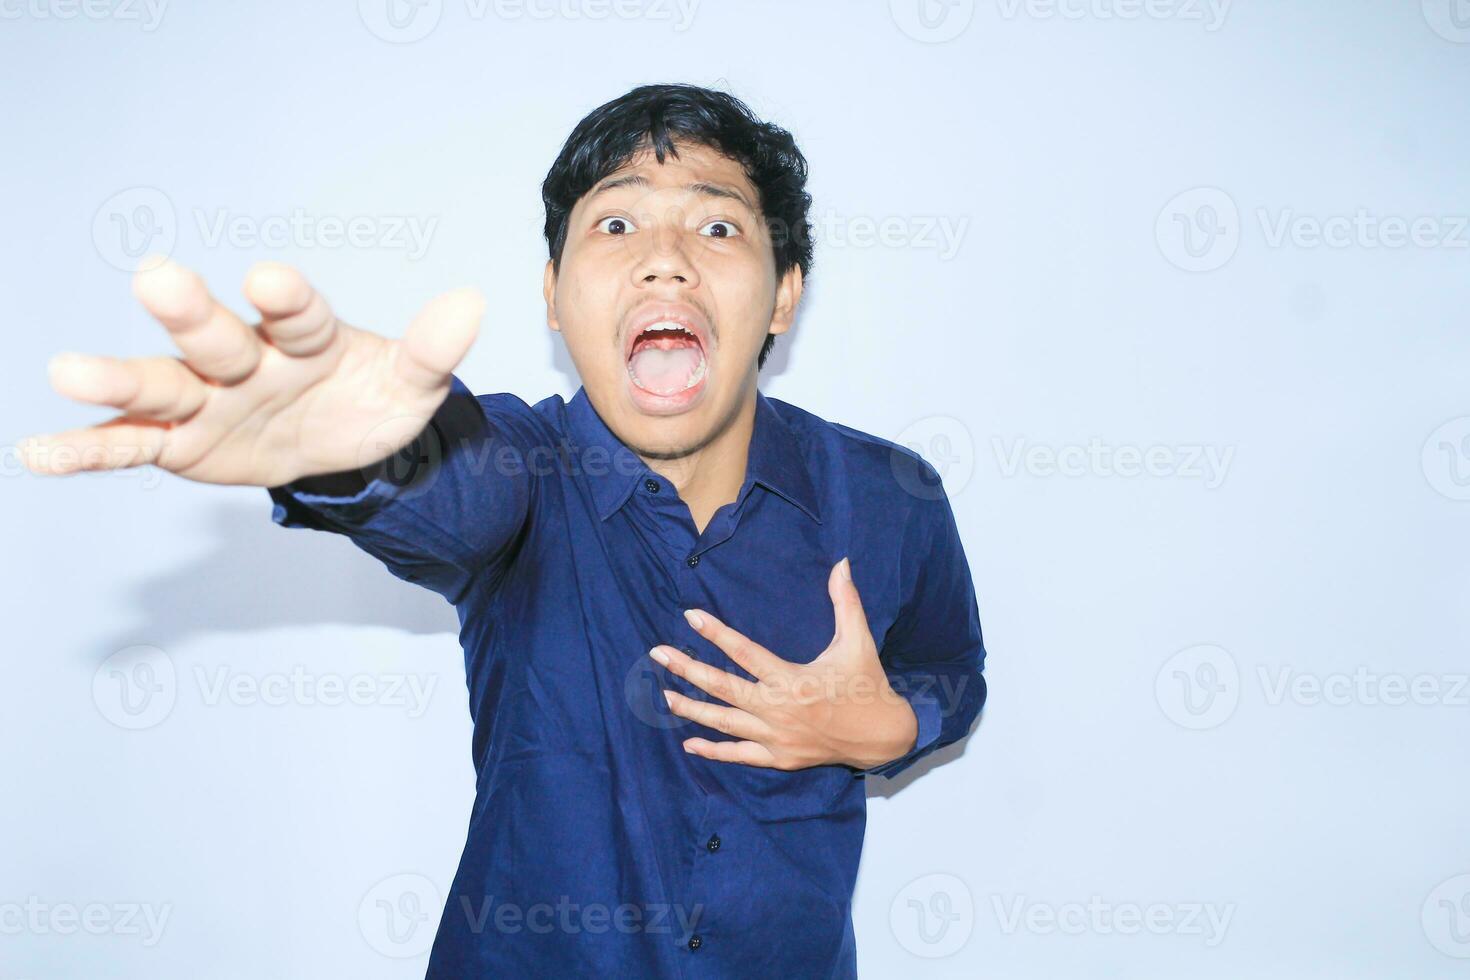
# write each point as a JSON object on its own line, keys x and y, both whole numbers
{"x": 651, "y": 486}
{"x": 713, "y": 844}
{"x": 695, "y": 942}
{"x": 692, "y": 560}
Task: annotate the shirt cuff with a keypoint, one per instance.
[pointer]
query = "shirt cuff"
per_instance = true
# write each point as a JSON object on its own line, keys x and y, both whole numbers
{"x": 406, "y": 472}
{"x": 294, "y": 507}
{"x": 926, "y": 710}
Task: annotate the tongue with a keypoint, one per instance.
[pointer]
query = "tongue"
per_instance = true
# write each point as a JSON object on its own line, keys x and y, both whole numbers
{"x": 665, "y": 372}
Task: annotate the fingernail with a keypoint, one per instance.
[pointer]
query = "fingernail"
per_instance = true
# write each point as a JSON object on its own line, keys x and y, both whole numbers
{"x": 659, "y": 654}
{"x": 669, "y": 698}
{"x": 695, "y": 619}
{"x": 847, "y": 569}
{"x": 688, "y": 749}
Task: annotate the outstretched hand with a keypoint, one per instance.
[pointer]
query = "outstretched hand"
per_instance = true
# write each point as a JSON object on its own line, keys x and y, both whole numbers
{"x": 300, "y": 393}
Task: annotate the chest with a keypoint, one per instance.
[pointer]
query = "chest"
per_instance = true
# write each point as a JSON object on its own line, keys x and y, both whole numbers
{"x": 589, "y": 598}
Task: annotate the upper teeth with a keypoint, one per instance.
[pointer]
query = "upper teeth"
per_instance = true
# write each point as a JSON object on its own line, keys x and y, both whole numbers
{"x": 664, "y": 325}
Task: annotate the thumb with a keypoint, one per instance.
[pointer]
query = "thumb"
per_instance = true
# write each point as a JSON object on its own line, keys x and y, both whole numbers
{"x": 847, "y": 605}
{"x": 439, "y": 338}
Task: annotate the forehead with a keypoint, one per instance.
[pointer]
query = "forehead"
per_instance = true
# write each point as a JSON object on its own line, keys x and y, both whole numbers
{"x": 696, "y": 165}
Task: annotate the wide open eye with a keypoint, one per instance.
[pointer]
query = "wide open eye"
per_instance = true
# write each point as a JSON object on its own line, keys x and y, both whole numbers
{"x": 720, "y": 229}
{"x": 616, "y": 224}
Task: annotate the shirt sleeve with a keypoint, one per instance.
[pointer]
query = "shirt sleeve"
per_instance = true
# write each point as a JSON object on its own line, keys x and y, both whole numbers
{"x": 448, "y": 508}
{"x": 934, "y": 654}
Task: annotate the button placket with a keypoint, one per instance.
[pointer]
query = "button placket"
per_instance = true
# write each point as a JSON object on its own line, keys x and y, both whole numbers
{"x": 661, "y": 510}
{"x": 706, "y": 886}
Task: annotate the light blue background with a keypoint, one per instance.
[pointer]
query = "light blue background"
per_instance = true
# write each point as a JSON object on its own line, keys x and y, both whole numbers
{"x": 1330, "y": 539}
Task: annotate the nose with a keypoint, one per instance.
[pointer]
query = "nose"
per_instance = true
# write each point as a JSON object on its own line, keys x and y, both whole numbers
{"x": 664, "y": 251}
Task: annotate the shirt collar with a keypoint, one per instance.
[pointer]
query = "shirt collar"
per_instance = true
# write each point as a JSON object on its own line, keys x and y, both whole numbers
{"x": 775, "y": 460}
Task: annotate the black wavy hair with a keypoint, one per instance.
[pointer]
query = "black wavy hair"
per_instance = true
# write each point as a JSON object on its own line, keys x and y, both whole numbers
{"x": 658, "y": 116}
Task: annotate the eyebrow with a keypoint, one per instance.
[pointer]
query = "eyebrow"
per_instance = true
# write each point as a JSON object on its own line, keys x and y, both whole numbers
{"x": 703, "y": 187}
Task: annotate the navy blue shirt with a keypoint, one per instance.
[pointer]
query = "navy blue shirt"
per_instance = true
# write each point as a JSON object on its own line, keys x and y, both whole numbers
{"x": 597, "y": 846}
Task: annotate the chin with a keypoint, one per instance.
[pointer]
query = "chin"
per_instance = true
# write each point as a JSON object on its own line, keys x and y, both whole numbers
{"x": 665, "y": 436}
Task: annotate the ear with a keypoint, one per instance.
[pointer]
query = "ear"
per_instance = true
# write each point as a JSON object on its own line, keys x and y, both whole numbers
{"x": 788, "y": 295}
{"x": 548, "y": 292}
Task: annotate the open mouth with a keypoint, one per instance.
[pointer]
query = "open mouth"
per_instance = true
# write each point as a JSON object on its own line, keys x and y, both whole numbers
{"x": 667, "y": 359}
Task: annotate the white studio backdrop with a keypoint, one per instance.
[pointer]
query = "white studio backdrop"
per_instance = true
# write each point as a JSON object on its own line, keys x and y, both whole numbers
{"x": 1172, "y": 292}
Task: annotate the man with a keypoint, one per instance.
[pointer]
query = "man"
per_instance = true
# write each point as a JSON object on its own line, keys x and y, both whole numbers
{"x": 694, "y": 617}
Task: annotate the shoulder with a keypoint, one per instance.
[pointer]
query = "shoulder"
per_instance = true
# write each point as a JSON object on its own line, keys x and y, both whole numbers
{"x": 885, "y": 470}
{"x": 522, "y": 422}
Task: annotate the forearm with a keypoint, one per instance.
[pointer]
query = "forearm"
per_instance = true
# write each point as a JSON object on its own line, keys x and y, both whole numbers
{"x": 443, "y": 509}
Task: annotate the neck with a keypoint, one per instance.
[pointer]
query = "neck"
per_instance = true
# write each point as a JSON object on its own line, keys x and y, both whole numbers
{"x": 710, "y": 477}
